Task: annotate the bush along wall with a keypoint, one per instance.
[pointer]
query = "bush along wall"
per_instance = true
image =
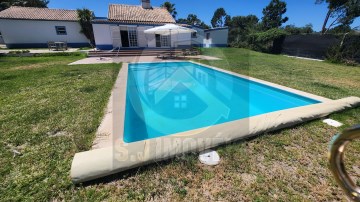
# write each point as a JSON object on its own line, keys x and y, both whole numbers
{"x": 270, "y": 41}
{"x": 346, "y": 51}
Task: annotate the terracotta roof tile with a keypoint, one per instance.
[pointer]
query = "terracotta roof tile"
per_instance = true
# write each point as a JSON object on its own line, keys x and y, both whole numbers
{"x": 29, "y": 13}
{"x": 137, "y": 14}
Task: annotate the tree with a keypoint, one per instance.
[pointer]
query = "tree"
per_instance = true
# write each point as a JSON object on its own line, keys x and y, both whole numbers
{"x": 292, "y": 29}
{"x": 4, "y": 4}
{"x": 341, "y": 29}
{"x": 182, "y": 21}
{"x": 171, "y": 8}
{"x": 308, "y": 29}
{"x": 220, "y": 18}
{"x": 204, "y": 25}
{"x": 273, "y": 15}
{"x": 192, "y": 19}
{"x": 240, "y": 29}
{"x": 343, "y": 12}
{"x": 244, "y": 22}
{"x": 85, "y": 17}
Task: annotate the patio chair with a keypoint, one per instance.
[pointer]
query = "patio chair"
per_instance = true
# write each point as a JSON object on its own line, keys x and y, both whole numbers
{"x": 186, "y": 52}
{"x": 164, "y": 55}
{"x": 65, "y": 45}
{"x": 179, "y": 56}
{"x": 51, "y": 45}
{"x": 194, "y": 51}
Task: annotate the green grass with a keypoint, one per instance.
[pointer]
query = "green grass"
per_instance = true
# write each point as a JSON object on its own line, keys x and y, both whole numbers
{"x": 85, "y": 48}
{"x": 325, "y": 79}
{"x": 49, "y": 111}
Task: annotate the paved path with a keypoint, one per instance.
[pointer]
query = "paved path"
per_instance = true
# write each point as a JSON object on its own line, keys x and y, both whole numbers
{"x": 304, "y": 58}
{"x": 102, "y": 60}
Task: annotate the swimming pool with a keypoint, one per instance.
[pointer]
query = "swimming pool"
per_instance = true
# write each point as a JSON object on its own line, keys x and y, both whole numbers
{"x": 161, "y": 110}
{"x": 173, "y": 97}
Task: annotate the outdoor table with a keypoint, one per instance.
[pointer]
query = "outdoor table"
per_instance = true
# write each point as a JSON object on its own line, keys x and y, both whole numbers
{"x": 59, "y": 45}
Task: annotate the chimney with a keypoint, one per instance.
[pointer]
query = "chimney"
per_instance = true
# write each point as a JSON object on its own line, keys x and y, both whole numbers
{"x": 146, "y": 4}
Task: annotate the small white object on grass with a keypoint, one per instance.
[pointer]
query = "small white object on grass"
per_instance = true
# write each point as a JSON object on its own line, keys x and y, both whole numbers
{"x": 332, "y": 122}
{"x": 16, "y": 152}
{"x": 209, "y": 157}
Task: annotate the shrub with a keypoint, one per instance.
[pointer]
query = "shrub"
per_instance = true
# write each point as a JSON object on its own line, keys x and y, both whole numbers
{"x": 334, "y": 54}
{"x": 269, "y": 41}
{"x": 346, "y": 51}
{"x": 19, "y": 52}
{"x": 58, "y": 54}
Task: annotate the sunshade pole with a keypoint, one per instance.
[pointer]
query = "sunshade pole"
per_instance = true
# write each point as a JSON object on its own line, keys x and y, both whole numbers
{"x": 170, "y": 43}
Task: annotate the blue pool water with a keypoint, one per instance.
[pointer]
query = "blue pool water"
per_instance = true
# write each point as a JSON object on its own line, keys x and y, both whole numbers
{"x": 168, "y": 98}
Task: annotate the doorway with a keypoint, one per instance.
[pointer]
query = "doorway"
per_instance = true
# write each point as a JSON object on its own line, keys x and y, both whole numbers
{"x": 124, "y": 38}
{"x": 158, "y": 40}
{"x": 162, "y": 40}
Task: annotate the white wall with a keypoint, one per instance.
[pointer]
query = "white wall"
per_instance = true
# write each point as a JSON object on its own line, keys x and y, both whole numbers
{"x": 107, "y": 35}
{"x": 217, "y": 37}
{"x": 183, "y": 39}
{"x": 144, "y": 39}
{"x": 199, "y": 40}
{"x": 176, "y": 39}
{"x": 102, "y": 33}
{"x": 39, "y": 32}
{"x": 151, "y": 40}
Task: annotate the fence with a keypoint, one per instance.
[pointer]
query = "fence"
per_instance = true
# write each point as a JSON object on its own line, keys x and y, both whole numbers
{"x": 311, "y": 45}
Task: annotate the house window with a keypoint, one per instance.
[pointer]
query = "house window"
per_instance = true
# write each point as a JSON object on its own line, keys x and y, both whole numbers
{"x": 165, "y": 40}
{"x": 207, "y": 36}
{"x": 194, "y": 35}
{"x": 60, "y": 30}
{"x": 133, "y": 40}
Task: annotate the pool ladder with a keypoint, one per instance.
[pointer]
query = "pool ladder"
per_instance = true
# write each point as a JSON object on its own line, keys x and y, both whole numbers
{"x": 336, "y": 160}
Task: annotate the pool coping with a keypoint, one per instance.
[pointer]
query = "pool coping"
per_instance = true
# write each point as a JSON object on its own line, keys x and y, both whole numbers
{"x": 113, "y": 155}
{"x": 105, "y": 134}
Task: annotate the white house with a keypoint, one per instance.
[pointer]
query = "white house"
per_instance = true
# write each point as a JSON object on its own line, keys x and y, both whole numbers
{"x": 24, "y": 27}
{"x": 216, "y": 37}
{"x": 125, "y": 25}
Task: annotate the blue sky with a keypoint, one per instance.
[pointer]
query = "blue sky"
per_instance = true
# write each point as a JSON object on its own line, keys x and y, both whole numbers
{"x": 300, "y": 12}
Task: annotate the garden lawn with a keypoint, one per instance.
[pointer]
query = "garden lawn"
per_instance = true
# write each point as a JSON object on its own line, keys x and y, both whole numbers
{"x": 49, "y": 111}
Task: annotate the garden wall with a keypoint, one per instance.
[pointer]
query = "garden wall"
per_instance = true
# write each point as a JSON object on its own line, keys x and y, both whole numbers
{"x": 311, "y": 45}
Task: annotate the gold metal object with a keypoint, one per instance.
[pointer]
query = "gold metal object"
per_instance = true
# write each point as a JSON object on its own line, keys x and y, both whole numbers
{"x": 336, "y": 160}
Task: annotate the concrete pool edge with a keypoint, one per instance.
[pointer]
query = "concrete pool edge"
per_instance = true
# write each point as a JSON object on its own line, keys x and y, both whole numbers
{"x": 113, "y": 155}
{"x": 120, "y": 157}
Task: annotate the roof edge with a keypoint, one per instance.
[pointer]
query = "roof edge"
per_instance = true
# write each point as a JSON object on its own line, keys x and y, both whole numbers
{"x": 216, "y": 28}
{"x": 59, "y": 9}
{"x": 1, "y": 18}
{"x": 135, "y": 5}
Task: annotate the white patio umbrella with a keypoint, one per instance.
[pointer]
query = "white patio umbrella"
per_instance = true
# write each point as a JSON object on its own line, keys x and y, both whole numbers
{"x": 169, "y": 29}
